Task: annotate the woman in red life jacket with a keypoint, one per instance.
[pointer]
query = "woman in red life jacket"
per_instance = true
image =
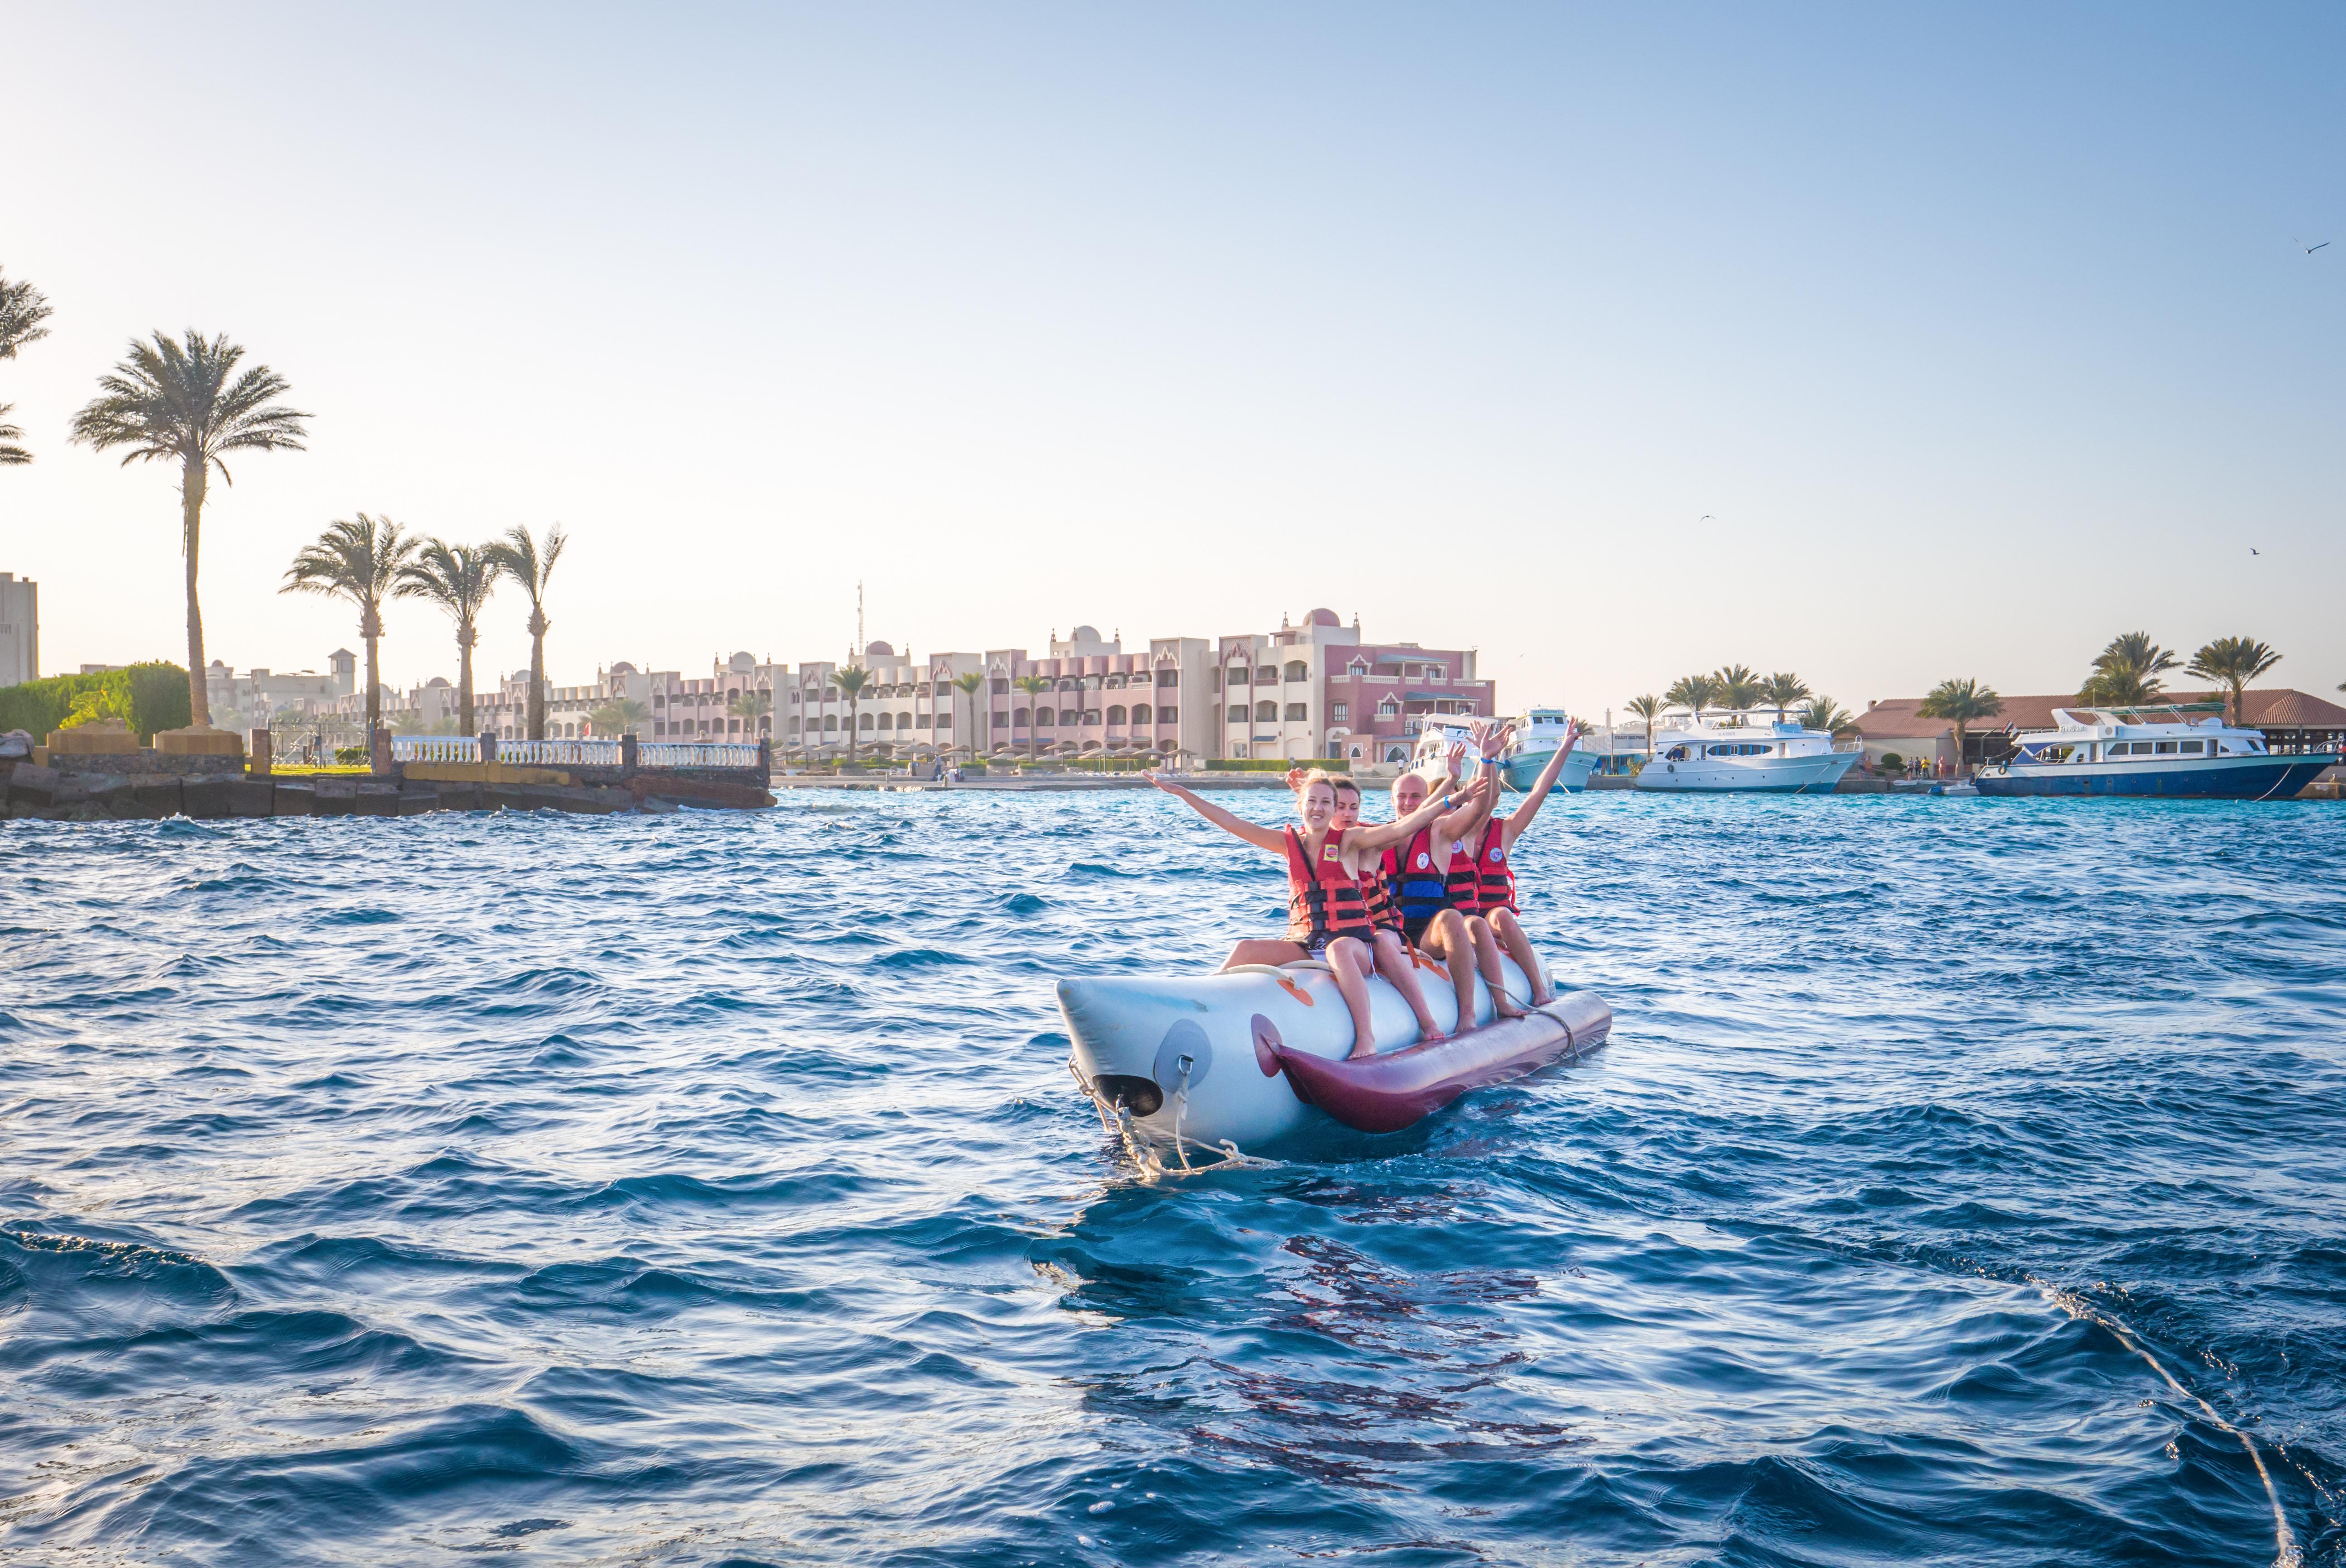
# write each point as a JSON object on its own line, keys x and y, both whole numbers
{"x": 1413, "y": 883}
{"x": 1432, "y": 876}
{"x": 1366, "y": 867}
{"x": 1489, "y": 849}
{"x": 1328, "y": 918}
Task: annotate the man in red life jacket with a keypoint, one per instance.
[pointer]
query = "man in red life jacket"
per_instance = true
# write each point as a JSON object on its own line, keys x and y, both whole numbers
{"x": 1328, "y": 919}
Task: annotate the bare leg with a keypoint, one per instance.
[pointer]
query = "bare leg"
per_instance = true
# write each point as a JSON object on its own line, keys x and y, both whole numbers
{"x": 1393, "y": 963}
{"x": 1353, "y": 963}
{"x": 1487, "y": 958}
{"x": 1446, "y": 938}
{"x": 1257, "y": 951}
{"x": 1510, "y": 932}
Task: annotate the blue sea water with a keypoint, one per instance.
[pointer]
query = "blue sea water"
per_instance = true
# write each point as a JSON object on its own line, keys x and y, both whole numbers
{"x": 1962, "y": 1184}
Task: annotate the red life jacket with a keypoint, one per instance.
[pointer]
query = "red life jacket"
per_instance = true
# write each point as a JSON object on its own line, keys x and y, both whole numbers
{"x": 1462, "y": 884}
{"x": 1376, "y": 895}
{"x": 1494, "y": 880}
{"x": 1322, "y": 900}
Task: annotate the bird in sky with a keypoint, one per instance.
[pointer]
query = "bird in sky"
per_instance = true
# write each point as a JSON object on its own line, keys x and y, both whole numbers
{"x": 2254, "y": 551}
{"x": 2309, "y": 249}
{"x": 1705, "y": 517}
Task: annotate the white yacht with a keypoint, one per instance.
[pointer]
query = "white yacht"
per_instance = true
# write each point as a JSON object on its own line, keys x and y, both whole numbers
{"x": 2137, "y": 751}
{"x": 1745, "y": 752}
{"x": 1537, "y": 735}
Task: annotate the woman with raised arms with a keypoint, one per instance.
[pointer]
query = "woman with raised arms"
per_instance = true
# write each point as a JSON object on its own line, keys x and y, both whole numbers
{"x": 1328, "y": 917}
{"x": 1484, "y": 872}
{"x": 1433, "y": 886}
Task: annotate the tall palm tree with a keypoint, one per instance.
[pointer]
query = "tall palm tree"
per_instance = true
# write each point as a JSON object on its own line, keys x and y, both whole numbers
{"x": 1034, "y": 686}
{"x": 22, "y": 311}
{"x": 1736, "y": 685}
{"x": 1783, "y": 689}
{"x": 1961, "y": 703}
{"x": 530, "y": 562}
{"x": 850, "y": 682}
{"x": 459, "y": 579}
{"x": 2232, "y": 662}
{"x": 358, "y": 559}
{"x": 1824, "y": 713}
{"x": 1647, "y": 708}
{"x": 968, "y": 686}
{"x": 2127, "y": 671}
{"x": 1693, "y": 692}
{"x": 186, "y": 401}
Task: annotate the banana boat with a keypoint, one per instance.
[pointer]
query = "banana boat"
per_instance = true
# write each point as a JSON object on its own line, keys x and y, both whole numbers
{"x": 1223, "y": 1062}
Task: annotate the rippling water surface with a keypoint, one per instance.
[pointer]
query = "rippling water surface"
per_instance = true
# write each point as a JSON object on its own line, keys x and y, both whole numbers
{"x": 1962, "y": 1184}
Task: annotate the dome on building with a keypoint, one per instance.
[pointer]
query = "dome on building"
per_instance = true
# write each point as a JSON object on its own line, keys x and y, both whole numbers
{"x": 876, "y": 649}
{"x": 1322, "y": 618}
{"x": 623, "y": 667}
{"x": 742, "y": 663}
{"x": 438, "y": 680}
{"x": 1083, "y": 635}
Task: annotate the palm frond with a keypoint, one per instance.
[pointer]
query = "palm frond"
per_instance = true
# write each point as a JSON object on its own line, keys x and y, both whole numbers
{"x": 356, "y": 558}
{"x": 456, "y": 578}
{"x": 22, "y": 311}
{"x": 10, "y": 452}
{"x": 169, "y": 400}
{"x": 525, "y": 560}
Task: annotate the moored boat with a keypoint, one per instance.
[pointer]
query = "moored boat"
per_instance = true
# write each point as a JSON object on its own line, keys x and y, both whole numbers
{"x": 2131, "y": 751}
{"x": 1245, "y": 1057}
{"x": 1747, "y": 756}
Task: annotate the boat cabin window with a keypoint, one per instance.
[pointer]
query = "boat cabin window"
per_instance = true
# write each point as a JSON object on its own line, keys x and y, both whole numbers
{"x": 2166, "y": 748}
{"x": 2191, "y": 747}
{"x": 1676, "y": 754}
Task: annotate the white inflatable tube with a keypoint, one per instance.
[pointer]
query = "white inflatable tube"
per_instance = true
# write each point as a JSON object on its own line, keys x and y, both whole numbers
{"x": 1178, "y": 1053}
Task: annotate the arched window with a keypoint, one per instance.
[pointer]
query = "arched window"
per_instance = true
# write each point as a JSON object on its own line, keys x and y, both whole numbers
{"x": 1238, "y": 713}
{"x": 887, "y": 721}
{"x": 1297, "y": 671}
{"x": 1140, "y": 714}
{"x": 1116, "y": 716}
{"x": 864, "y": 722}
{"x": 1388, "y": 708}
{"x": 1045, "y": 719}
{"x": 1298, "y": 712}
{"x": 1265, "y": 713}
{"x": 1396, "y": 753}
{"x": 830, "y": 721}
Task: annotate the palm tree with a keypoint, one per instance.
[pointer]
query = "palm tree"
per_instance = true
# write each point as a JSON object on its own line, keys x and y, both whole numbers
{"x": 750, "y": 707}
{"x": 2233, "y": 662}
{"x": 1961, "y": 702}
{"x": 22, "y": 311}
{"x": 186, "y": 401}
{"x": 850, "y": 682}
{"x": 1736, "y": 685}
{"x": 358, "y": 559}
{"x": 1694, "y": 692}
{"x": 459, "y": 579}
{"x": 620, "y": 716}
{"x": 2127, "y": 671}
{"x": 968, "y": 686}
{"x": 1783, "y": 689}
{"x": 1824, "y": 713}
{"x": 1034, "y": 686}
{"x": 530, "y": 562}
{"x": 1647, "y": 708}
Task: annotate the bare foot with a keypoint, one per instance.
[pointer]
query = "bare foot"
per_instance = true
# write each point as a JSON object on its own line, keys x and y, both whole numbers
{"x": 1428, "y": 1032}
{"x": 1539, "y": 1001}
{"x": 1359, "y": 1051}
{"x": 1505, "y": 1006}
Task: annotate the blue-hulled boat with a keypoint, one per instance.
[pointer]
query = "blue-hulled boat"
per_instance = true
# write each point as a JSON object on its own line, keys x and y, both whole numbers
{"x": 2134, "y": 751}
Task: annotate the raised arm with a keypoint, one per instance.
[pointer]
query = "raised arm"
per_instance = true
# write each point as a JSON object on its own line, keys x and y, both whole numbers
{"x": 1523, "y": 814}
{"x": 1398, "y": 831}
{"x": 1261, "y": 838}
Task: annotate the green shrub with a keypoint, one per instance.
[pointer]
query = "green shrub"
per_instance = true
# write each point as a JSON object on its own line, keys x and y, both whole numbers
{"x": 154, "y": 696}
{"x": 348, "y": 755}
{"x": 1892, "y": 762}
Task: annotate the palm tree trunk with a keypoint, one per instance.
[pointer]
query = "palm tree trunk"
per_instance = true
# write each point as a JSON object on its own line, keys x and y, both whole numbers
{"x": 374, "y": 688}
{"x": 192, "y": 513}
{"x": 464, "y": 680}
{"x": 1959, "y": 748}
{"x": 537, "y": 624}
{"x": 853, "y": 707}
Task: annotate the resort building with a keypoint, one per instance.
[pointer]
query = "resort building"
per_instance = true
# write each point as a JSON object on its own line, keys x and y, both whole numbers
{"x": 2291, "y": 720}
{"x": 735, "y": 702}
{"x": 20, "y": 629}
{"x": 258, "y": 697}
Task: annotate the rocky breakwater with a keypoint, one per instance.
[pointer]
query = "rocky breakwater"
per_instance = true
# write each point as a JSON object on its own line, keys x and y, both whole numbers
{"x": 85, "y": 785}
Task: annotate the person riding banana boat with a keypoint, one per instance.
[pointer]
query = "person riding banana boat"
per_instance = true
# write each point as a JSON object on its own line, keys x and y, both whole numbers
{"x": 1478, "y": 877}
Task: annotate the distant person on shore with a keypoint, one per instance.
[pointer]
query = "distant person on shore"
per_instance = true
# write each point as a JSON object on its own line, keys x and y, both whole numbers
{"x": 1328, "y": 917}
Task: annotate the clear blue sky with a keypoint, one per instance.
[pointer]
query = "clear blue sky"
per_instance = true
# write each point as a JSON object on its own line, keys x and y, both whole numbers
{"x": 1980, "y": 334}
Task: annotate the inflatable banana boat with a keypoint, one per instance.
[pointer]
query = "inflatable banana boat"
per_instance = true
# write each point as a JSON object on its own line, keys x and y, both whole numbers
{"x": 1236, "y": 1060}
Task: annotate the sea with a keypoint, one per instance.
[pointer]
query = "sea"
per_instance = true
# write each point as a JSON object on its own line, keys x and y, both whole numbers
{"x": 1962, "y": 1183}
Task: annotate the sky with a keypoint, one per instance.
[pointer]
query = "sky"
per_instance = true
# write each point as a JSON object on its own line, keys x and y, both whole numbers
{"x": 1881, "y": 344}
